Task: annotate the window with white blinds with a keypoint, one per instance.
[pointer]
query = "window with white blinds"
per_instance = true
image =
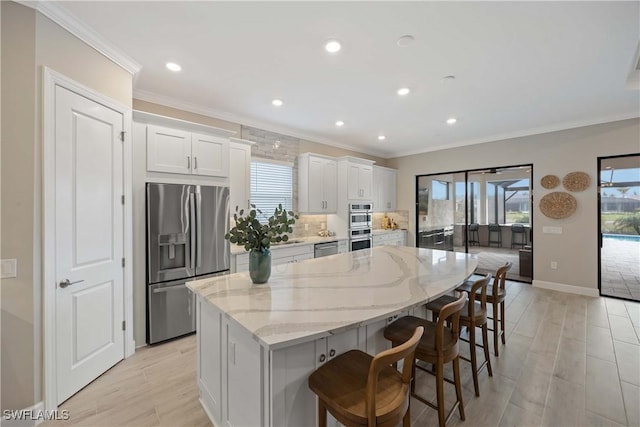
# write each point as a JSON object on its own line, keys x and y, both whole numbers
{"x": 271, "y": 185}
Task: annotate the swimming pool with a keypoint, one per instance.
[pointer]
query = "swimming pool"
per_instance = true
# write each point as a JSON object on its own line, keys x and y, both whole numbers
{"x": 627, "y": 237}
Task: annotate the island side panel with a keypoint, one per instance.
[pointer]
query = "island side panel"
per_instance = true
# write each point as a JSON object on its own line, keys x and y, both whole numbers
{"x": 233, "y": 370}
{"x": 209, "y": 351}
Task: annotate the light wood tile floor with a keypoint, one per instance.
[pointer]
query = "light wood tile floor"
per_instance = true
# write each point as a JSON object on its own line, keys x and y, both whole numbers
{"x": 569, "y": 361}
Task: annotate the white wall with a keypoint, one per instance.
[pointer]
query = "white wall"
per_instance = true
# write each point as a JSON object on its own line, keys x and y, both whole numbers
{"x": 558, "y": 153}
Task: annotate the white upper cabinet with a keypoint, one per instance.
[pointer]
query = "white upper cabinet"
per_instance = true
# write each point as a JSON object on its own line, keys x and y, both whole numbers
{"x": 239, "y": 174}
{"x": 317, "y": 180}
{"x": 384, "y": 189}
{"x": 168, "y": 150}
{"x": 179, "y": 151}
{"x": 210, "y": 155}
{"x": 359, "y": 178}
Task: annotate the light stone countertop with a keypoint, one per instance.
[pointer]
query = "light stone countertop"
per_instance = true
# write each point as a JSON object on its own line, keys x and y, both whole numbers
{"x": 324, "y": 296}
{"x": 299, "y": 241}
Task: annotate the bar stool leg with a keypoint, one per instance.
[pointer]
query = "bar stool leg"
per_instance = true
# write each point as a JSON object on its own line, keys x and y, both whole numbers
{"x": 474, "y": 358}
{"x": 496, "y": 331}
{"x": 458, "y": 381}
{"x": 322, "y": 414}
{"x": 502, "y": 322}
{"x": 406, "y": 420}
{"x": 440, "y": 392}
{"x": 485, "y": 347}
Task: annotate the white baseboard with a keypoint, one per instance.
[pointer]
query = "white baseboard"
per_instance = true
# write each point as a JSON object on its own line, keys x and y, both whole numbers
{"x": 31, "y": 416}
{"x": 570, "y": 289}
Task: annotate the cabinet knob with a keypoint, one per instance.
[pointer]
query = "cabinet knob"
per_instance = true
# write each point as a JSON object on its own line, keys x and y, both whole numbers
{"x": 323, "y": 357}
{"x": 332, "y": 353}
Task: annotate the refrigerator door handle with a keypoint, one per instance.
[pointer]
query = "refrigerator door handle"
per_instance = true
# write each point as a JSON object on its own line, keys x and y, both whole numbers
{"x": 192, "y": 220}
{"x": 198, "y": 198}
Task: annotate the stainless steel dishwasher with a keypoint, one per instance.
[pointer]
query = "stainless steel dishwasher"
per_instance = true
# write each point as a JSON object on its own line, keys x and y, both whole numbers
{"x": 325, "y": 249}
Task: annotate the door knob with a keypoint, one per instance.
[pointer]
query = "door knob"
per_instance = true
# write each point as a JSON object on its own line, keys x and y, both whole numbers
{"x": 64, "y": 283}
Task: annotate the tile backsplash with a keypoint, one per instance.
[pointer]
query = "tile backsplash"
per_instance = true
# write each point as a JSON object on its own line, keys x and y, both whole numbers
{"x": 315, "y": 223}
{"x": 401, "y": 218}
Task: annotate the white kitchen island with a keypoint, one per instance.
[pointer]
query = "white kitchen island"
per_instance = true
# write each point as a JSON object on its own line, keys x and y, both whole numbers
{"x": 257, "y": 344}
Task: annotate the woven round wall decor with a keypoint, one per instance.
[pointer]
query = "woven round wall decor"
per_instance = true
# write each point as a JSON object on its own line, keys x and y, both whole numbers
{"x": 558, "y": 205}
{"x": 576, "y": 181}
{"x": 549, "y": 181}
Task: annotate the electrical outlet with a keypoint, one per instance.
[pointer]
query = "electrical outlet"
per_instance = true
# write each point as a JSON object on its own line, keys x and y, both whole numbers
{"x": 554, "y": 265}
{"x": 9, "y": 268}
{"x": 323, "y": 225}
{"x": 306, "y": 227}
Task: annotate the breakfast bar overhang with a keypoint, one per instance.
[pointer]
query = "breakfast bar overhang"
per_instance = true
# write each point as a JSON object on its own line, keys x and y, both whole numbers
{"x": 257, "y": 344}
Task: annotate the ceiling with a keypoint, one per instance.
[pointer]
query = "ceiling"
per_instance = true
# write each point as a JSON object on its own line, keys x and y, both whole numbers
{"x": 520, "y": 67}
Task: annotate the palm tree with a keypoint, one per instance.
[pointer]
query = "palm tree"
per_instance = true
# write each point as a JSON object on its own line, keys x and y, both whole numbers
{"x": 623, "y": 190}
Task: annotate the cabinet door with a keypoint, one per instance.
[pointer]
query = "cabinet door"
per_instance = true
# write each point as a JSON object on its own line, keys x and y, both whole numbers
{"x": 353, "y": 184}
{"x": 329, "y": 184}
{"x": 376, "y": 342}
{"x": 390, "y": 190}
{"x": 244, "y": 378}
{"x": 378, "y": 189}
{"x": 365, "y": 179}
{"x": 316, "y": 184}
{"x": 210, "y": 155}
{"x": 239, "y": 175}
{"x": 168, "y": 150}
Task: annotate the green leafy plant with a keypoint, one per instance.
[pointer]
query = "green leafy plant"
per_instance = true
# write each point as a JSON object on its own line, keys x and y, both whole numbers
{"x": 626, "y": 222}
{"x": 252, "y": 234}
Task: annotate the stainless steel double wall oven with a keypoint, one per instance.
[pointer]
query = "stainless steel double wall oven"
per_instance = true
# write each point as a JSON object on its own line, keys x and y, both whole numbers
{"x": 360, "y": 226}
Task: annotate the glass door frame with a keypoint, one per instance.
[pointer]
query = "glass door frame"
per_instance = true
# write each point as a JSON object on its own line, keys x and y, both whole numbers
{"x": 600, "y": 239}
{"x": 466, "y": 203}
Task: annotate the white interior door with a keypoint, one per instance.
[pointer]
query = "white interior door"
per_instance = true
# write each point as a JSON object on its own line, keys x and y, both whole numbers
{"x": 89, "y": 240}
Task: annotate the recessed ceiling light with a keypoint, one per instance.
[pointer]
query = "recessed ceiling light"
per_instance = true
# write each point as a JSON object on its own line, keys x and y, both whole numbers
{"x": 277, "y": 102}
{"x": 381, "y": 137}
{"x": 173, "y": 66}
{"x": 339, "y": 123}
{"x": 451, "y": 120}
{"x": 405, "y": 40}
{"x": 447, "y": 79}
{"x": 332, "y": 46}
{"x": 404, "y": 91}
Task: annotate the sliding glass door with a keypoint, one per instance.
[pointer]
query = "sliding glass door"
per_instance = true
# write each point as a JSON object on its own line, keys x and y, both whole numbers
{"x": 619, "y": 227}
{"x": 485, "y": 212}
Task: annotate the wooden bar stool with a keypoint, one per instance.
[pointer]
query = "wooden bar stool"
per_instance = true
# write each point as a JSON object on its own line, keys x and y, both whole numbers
{"x": 472, "y": 315}
{"x": 439, "y": 345}
{"x": 361, "y": 390}
{"x": 496, "y": 294}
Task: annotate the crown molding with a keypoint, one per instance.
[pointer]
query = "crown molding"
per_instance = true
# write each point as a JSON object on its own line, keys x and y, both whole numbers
{"x": 241, "y": 120}
{"x": 59, "y": 15}
{"x": 528, "y": 132}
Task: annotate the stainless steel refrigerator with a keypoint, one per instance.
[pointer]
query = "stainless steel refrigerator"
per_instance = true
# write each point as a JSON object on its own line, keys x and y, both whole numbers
{"x": 186, "y": 225}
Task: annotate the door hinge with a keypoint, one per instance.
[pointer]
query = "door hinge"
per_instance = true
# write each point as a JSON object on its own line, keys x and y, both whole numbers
{"x": 122, "y": 262}
{"x": 124, "y": 325}
{"x": 122, "y": 199}
{"x": 122, "y": 136}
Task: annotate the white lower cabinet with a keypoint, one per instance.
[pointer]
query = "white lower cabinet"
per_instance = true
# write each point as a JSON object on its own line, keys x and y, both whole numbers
{"x": 390, "y": 238}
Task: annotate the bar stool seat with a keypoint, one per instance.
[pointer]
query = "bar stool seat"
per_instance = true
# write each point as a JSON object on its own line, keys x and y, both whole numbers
{"x": 363, "y": 390}
{"x": 479, "y": 313}
{"x": 400, "y": 331}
